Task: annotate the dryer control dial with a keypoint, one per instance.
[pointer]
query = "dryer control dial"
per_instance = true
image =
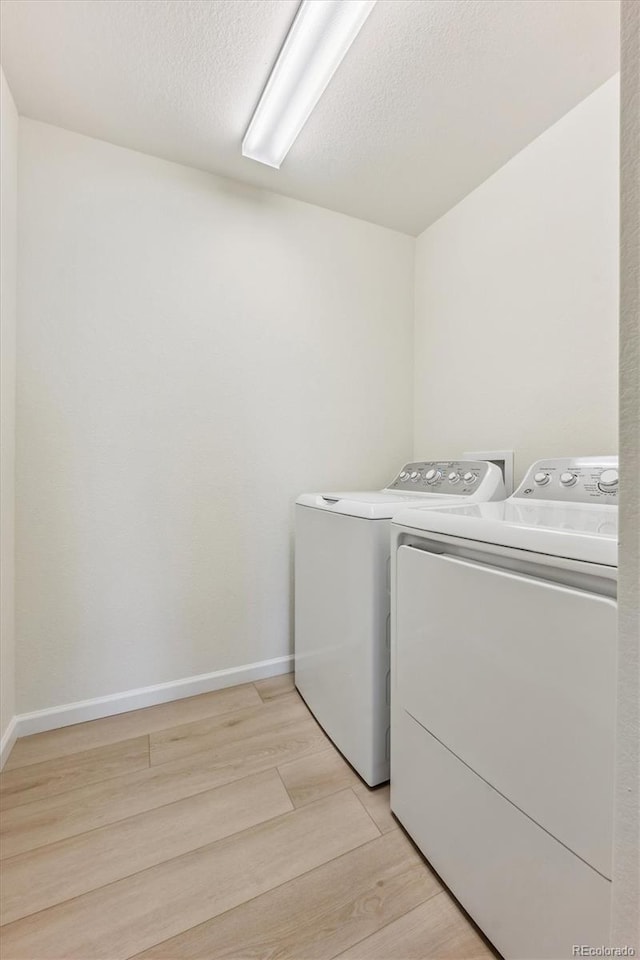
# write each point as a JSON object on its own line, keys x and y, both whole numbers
{"x": 572, "y": 480}
{"x": 432, "y": 476}
{"x": 469, "y": 477}
{"x": 453, "y": 477}
{"x": 608, "y": 481}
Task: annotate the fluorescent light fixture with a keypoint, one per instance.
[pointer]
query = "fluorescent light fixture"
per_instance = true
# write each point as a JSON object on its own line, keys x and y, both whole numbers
{"x": 319, "y": 38}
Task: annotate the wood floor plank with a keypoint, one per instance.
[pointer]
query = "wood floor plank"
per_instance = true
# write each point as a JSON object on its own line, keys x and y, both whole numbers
{"x": 435, "y": 930}
{"x": 47, "y": 821}
{"x": 210, "y": 734}
{"x": 124, "y": 726}
{"x": 320, "y": 775}
{"x": 274, "y": 687}
{"x": 51, "y": 777}
{"x": 317, "y": 915}
{"x": 42, "y": 878}
{"x": 376, "y": 801}
{"x": 133, "y": 914}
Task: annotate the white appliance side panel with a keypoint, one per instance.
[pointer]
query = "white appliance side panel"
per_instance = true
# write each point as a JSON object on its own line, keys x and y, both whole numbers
{"x": 530, "y": 895}
{"x": 516, "y": 676}
{"x": 342, "y": 631}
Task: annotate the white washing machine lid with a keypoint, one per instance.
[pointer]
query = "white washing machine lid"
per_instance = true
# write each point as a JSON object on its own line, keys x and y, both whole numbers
{"x": 370, "y": 505}
{"x": 419, "y": 483}
{"x": 576, "y": 531}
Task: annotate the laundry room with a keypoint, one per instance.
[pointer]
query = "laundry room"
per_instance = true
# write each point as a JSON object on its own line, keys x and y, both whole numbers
{"x": 320, "y": 517}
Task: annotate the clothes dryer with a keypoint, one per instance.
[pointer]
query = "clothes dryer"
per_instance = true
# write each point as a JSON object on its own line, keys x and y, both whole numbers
{"x": 503, "y": 702}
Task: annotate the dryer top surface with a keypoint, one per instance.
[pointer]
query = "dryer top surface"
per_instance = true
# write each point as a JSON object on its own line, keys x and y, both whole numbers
{"x": 576, "y": 531}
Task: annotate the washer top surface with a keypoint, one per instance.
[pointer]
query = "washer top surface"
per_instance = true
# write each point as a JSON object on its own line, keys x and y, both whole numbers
{"x": 563, "y": 508}
{"x": 424, "y": 483}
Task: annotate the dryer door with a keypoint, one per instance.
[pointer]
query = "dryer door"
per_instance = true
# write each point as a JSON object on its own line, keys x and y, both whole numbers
{"x": 516, "y": 676}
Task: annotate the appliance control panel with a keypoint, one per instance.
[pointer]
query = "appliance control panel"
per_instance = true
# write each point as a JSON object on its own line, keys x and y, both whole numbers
{"x": 572, "y": 480}
{"x": 446, "y": 477}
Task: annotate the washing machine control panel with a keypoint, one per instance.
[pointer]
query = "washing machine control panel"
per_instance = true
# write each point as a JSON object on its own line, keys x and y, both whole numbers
{"x": 572, "y": 480}
{"x": 445, "y": 477}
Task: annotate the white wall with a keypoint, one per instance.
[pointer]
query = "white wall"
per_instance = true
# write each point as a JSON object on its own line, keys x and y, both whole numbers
{"x": 192, "y": 355}
{"x": 8, "y": 243}
{"x": 517, "y": 301}
{"x": 626, "y": 867}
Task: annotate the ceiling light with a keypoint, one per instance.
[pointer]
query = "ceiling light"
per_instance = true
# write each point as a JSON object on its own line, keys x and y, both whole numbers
{"x": 320, "y": 35}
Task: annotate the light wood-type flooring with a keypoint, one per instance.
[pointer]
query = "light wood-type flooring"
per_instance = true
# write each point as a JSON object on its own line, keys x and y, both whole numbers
{"x": 225, "y": 825}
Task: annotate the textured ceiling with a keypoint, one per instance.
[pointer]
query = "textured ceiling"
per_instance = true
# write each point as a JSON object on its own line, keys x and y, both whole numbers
{"x": 433, "y": 97}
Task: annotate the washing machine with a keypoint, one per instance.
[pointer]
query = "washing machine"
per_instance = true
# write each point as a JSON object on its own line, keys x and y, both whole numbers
{"x": 503, "y": 703}
{"x": 342, "y": 629}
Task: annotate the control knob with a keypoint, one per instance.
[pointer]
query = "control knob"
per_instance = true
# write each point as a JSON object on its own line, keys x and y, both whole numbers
{"x": 432, "y": 476}
{"x": 541, "y": 478}
{"x": 414, "y": 476}
{"x": 608, "y": 481}
{"x": 404, "y": 475}
{"x": 469, "y": 477}
{"x": 453, "y": 477}
{"x": 568, "y": 479}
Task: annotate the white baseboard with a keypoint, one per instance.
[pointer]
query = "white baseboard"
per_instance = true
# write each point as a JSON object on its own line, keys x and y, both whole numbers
{"x": 8, "y": 739}
{"x": 69, "y": 713}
